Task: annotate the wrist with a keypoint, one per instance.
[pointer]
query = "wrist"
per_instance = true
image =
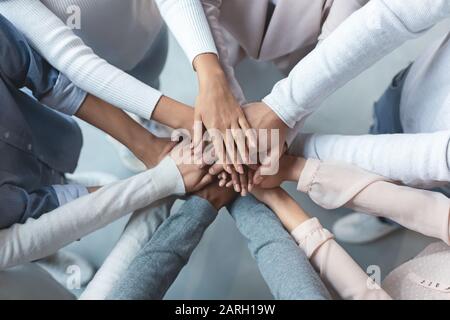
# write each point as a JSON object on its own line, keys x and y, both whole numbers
{"x": 209, "y": 69}
{"x": 211, "y": 197}
{"x": 275, "y": 199}
{"x": 173, "y": 114}
{"x": 292, "y": 167}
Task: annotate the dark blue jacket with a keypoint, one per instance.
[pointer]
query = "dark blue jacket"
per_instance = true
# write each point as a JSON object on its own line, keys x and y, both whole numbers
{"x": 37, "y": 144}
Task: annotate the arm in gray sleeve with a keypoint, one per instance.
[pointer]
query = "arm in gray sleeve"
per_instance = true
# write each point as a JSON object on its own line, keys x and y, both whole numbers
{"x": 160, "y": 261}
{"x": 286, "y": 269}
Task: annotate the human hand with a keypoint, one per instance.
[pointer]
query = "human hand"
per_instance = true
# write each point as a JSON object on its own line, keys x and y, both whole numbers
{"x": 291, "y": 168}
{"x": 217, "y": 196}
{"x": 217, "y": 110}
{"x": 269, "y": 150}
{"x": 195, "y": 175}
{"x": 242, "y": 183}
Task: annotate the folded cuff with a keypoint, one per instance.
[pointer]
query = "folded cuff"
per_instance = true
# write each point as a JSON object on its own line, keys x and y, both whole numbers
{"x": 167, "y": 178}
{"x": 310, "y": 236}
{"x": 65, "y": 97}
{"x": 276, "y": 107}
{"x": 69, "y": 192}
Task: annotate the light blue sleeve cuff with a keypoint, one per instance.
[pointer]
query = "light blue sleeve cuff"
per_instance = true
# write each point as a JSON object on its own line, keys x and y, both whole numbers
{"x": 65, "y": 97}
{"x": 69, "y": 192}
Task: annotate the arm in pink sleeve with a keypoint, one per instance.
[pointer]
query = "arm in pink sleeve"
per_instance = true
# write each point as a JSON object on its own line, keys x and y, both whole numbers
{"x": 332, "y": 185}
{"x": 335, "y": 266}
{"x": 212, "y": 11}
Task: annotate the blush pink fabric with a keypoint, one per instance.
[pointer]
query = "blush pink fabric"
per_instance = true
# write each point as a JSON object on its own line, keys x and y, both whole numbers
{"x": 332, "y": 185}
{"x": 335, "y": 266}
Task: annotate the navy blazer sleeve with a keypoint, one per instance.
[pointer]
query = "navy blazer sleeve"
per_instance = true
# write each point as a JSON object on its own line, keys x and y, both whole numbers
{"x": 17, "y": 205}
{"x": 21, "y": 65}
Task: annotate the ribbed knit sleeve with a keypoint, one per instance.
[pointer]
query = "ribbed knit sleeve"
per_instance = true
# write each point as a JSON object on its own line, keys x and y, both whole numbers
{"x": 364, "y": 38}
{"x": 187, "y": 21}
{"x": 68, "y": 53}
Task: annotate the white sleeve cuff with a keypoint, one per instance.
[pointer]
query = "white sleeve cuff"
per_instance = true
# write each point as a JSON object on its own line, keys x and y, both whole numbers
{"x": 65, "y": 97}
{"x": 167, "y": 177}
{"x": 69, "y": 192}
{"x": 272, "y": 102}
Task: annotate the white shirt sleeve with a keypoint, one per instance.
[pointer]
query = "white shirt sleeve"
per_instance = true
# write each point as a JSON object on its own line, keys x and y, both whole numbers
{"x": 418, "y": 159}
{"x": 368, "y": 35}
{"x": 187, "y": 22}
{"x": 39, "y": 238}
{"x": 65, "y": 51}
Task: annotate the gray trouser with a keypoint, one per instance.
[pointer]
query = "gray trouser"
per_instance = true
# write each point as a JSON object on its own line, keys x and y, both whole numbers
{"x": 285, "y": 268}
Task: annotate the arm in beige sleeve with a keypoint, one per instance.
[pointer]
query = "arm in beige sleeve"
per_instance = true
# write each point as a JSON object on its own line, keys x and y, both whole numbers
{"x": 334, "y": 184}
{"x": 335, "y": 266}
{"x": 212, "y": 11}
{"x": 39, "y": 238}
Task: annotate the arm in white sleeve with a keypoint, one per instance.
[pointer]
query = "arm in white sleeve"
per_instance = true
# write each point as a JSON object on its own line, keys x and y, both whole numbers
{"x": 336, "y": 267}
{"x": 212, "y": 11}
{"x": 57, "y": 43}
{"x": 39, "y": 238}
{"x": 364, "y": 38}
{"x": 187, "y": 22}
{"x": 414, "y": 159}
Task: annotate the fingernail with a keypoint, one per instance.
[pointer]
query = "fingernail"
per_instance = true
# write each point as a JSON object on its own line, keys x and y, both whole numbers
{"x": 240, "y": 169}
{"x": 212, "y": 171}
{"x": 236, "y": 188}
{"x": 250, "y": 187}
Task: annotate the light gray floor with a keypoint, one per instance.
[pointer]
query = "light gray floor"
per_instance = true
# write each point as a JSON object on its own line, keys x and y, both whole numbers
{"x": 221, "y": 267}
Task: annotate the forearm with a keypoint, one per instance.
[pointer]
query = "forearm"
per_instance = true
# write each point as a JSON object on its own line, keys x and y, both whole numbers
{"x": 160, "y": 261}
{"x": 52, "y": 231}
{"x": 56, "y": 42}
{"x": 360, "y": 41}
{"x": 187, "y": 22}
{"x": 332, "y": 185}
{"x": 330, "y": 259}
{"x": 117, "y": 124}
{"x": 286, "y": 270}
{"x": 288, "y": 211}
{"x": 174, "y": 114}
{"x": 414, "y": 159}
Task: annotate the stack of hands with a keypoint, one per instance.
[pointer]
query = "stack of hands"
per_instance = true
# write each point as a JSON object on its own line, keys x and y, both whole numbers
{"x": 232, "y": 147}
